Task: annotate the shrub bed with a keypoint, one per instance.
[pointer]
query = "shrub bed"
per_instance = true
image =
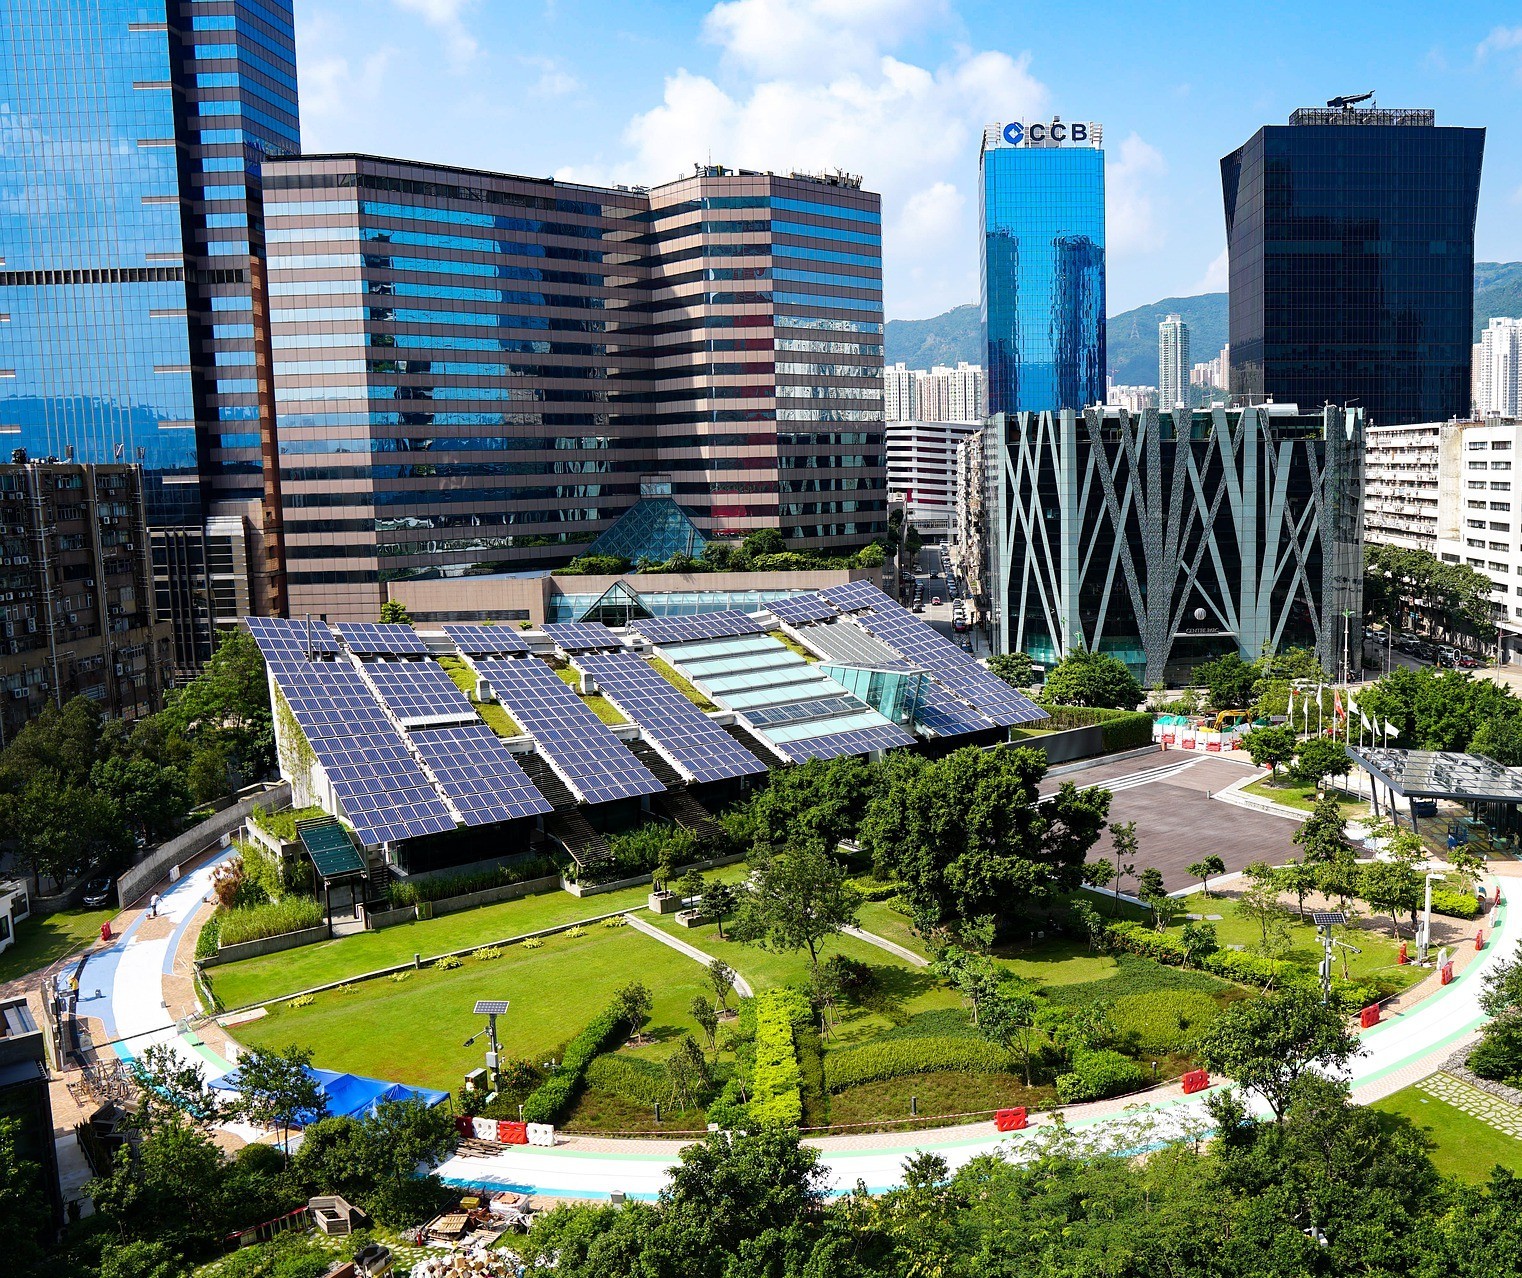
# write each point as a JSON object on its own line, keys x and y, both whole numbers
{"x": 902, "y": 1057}
{"x": 553, "y": 1098}
{"x": 1457, "y": 905}
{"x": 775, "y": 1098}
{"x": 255, "y": 922}
{"x": 400, "y": 895}
{"x": 639, "y": 1082}
{"x": 1135, "y": 976}
{"x": 1097, "y": 1074}
{"x": 1119, "y": 729}
{"x": 1163, "y": 1020}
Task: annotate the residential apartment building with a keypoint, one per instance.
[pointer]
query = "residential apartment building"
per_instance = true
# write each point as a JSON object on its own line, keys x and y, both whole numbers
{"x": 1401, "y": 484}
{"x": 898, "y": 392}
{"x": 1173, "y": 363}
{"x": 130, "y": 279}
{"x": 1213, "y": 374}
{"x": 1478, "y": 518}
{"x": 476, "y": 372}
{"x": 941, "y": 394}
{"x": 1498, "y": 369}
{"x": 24, "y": 1098}
{"x": 922, "y": 471}
{"x": 1133, "y": 399}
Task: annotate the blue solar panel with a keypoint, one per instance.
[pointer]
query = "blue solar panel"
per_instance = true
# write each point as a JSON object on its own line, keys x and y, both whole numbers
{"x": 802, "y": 610}
{"x": 420, "y": 692}
{"x": 576, "y": 743}
{"x": 703, "y": 625}
{"x": 384, "y": 794}
{"x": 487, "y": 641}
{"x": 679, "y": 730}
{"x": 942, "y": 715}
{"x": 884, "y": 736}
{"x": 279, "y": 639}
{"x": 855, "y": 595}
{"x": 582, "y": 636}
{"x": 479, "y": 774}
{"x": 375, "y": 639}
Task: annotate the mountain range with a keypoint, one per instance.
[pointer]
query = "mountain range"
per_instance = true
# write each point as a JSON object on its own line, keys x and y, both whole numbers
{"x": 1131, "y": 336}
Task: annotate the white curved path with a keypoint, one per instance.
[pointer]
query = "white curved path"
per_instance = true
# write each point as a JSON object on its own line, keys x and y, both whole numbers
{"x": 122, "y": 985}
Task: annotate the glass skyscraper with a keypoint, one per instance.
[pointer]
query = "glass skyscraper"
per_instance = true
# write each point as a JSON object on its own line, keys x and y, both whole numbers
{"x": 1351, "y": 239}
{"x": 1042, "y": 202}
{"x": 131, "y": 138}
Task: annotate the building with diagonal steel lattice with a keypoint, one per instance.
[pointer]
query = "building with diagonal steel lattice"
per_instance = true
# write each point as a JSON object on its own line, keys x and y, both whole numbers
{"x": 1170, "y": 538}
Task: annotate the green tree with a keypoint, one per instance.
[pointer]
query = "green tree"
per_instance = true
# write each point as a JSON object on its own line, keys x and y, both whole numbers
{"x": 1230, "y": 680}
{"x": 692, "y": 887}
{"x": 722, "y": 977}
{"x": 1123, "y": 839}
{"x": 634, "y": 1004}
{"x": 871, "y": 556}
{"x": 1260, "y": 903}
{"x": 1340, "y": 877}
{"x": 1318, "y": 758}
{"x": 1324, "y": 834}
{"x": 1270, "y": 747}
{"x": 720, "y": 901}
{"x": 798, "y": 897}
{"x": 1205, "y": 868}
{"x": 706, "y": 1016}
{"x": 58, "y": 828}
{"x": 974, "y": 976}
{"x": 1092, "y": 679}
{"x": 1011, "y": 1019}
{"x": 142, "y": 1259}
{"x": 1015, "y": 668}
{"x": 25, "y": 1217}
{"x": 226, "y": 709}
{"x": 1101, "y": 874}
{"x": 969, "y": 835}
{"x": 171, "y": 1091}
{"x": 1442, "y": 709}
{"x": 1499, "y": 738}
{"x": 1467, "y": 864}
{"x": 276, "y": 1089}
{"x": 1299, "y": 878}
{"x": 167, "y": 1189}
{"x": 764, "y": 541}
{"x": 149, "y": 797}
{"x": 1267, "y": 1043}
{"x": 394, "y": 612}
{"x": 687, "y": 1073}
{"x": 1199, "y": 940}
{"x": 61, "y": 742}
{"x": 1392, "y": 887}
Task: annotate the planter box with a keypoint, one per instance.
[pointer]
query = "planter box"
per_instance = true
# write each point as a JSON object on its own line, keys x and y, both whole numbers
{"x": 691, "y": 918}
{"x": 664, "y": 902}
{"x": 267, "y": 945}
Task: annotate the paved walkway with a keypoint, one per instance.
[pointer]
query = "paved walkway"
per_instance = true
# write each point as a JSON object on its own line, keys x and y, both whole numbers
{"x": 892, "y": 947}
{"x": 1490, "y": 1110}
{"x": 742, "y": 986}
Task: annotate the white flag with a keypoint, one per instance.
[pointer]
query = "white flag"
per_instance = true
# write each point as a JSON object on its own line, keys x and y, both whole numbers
{"x": 1391, "y": 730}
{"x": 1366, "y": 722}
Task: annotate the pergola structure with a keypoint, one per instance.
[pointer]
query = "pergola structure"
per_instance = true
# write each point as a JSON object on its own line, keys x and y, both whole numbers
{"x": 1492, "y": 792}
{"x": 334, "y": 858}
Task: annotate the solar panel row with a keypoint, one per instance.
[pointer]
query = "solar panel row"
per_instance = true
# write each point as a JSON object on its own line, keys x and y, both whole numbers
{"x": 378, "y": 639}
{"x": 487, "y": 641}
{"x": 703, "y": 625}
{"x": 598, "y": 766}
{"x": 420, "y": 692}
{"x": 885, "y": 736}
{"x": 479, "y": 774}
{"x": 582, "y": 636}
{"x": 698, "y": 746}
{"x": 802, "y": 610}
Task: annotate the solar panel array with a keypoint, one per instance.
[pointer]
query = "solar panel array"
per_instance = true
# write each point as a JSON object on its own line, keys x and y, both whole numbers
{"x": 851, "y": 645}
{"x": 283, "y": 642}
{"x": 384, "y": 793}
{"x": 802, "y": 610}
{"x": 704, "y": 625}
{"x": 597, "y": 765}
{"x": 582, "y": 636}
{"x": 420, "y": 693}
{"x": 487, "y": 641}
{"x": 885, "y": 736}
{"x": 479, "y": 774}
{"x": 381, "y": 639}
{"x": 855, "y": 595}
{"x": 941, "y": 714}
{"x": 697, "y": 745}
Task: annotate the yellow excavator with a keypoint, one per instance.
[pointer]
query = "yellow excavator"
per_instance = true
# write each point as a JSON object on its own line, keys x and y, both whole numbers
{"x": 1230, "y": 719}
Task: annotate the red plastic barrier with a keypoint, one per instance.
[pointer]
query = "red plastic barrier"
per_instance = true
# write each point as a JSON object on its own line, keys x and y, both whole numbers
{"x": 1369, "y": 1016}
{"x": 1498, "y": 894}
{"x": 512, "y": 1133}
{"x": 465, "y": 1125}
{"x": 1196, "y": 1080}
{"x": 1010, "y": 1120}
{"x": 105, "y": 928}
{"x": 1212, "y": 745}
{"x": 1446, "y": 973}
{"x": 1479, "y": 939}
{"x": 1401, "y": 957}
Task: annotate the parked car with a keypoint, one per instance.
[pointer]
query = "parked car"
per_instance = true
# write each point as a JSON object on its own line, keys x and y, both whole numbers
{"x": 99, "y": 891}
{"x": 936, "y": 601}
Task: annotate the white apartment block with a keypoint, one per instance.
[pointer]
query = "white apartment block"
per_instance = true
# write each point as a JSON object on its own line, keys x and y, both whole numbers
{"x": 1401, "y": 481}
{"x": 943, "y": 394}
{"x": 1132, "y": 398}
{"x": 1213, "y": 372}
{"x": 1478, "y": 517}
{"x": 1497, "y": 378}
{"x": 1173, "y": 363}
{"x": 922, "y": 470}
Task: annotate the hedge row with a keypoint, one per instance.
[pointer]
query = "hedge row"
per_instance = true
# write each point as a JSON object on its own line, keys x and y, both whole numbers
{"x": 639, "y": 1082}
{"x": 1119, "y": 729}
{"x": 550, "y": 1101}
{"x": 273, "y": 918}
{"x": 1458, "y": 905}
{"x": 1234, "y": 965}
{"x": 1097, "y": 1074}
{"x": 901, "y": 1057}
{"x": 775, "y": 1098}
{"x": 444, "y": 886}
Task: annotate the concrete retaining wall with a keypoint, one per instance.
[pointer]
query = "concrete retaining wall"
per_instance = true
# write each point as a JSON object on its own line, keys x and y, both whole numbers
{"x": 215, "y": 831}
{"x": 267, "y": 945}
{"x": 378, "y": 919}
{"x": 1069, "y": 744}
{"x": 597, "y": 889}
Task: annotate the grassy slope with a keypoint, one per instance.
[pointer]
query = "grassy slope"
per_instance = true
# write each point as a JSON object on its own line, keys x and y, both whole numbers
{"x": 494, "y": 716}
{"x": 47, "y": 938}
{"x": 1297, "y": 794}
{"x": 411, "y": 1031}
{"x": 1466, "y": 1147}
{"x": 682, "y": 685}
{"x": 596, "y": 702}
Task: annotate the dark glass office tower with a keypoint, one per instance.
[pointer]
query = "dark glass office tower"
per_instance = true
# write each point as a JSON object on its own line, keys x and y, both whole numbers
{"x": 1043, "y": 296}
{"x": 1351, "y": 239}
{"x": 133, "y": 133}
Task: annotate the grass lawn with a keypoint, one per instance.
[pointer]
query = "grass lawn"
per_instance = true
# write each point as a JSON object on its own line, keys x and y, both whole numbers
{"x": 884, "y": 1106}
{"x": 411, "y": 1031}
{"x": 46, "y": 938}
{"x": 681, "y": 684}
{"x": 1466, "y": 1147}
{"x": 595, "y": 702}
{"x": 494, "y": 716}
{"x": 1376, "y": 965}
{"x": 881, "y": 919}
{"x": 258, "y": 979}
{"x": 1299, "y": 795}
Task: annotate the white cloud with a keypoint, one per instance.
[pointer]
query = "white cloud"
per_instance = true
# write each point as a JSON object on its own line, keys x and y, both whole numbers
{"x": 447, "y": 17}
{"x": 1132, "y": 224}
{"x": 815, "y": 85}
{"x": 554, "y": 80}
{"x": 336, "y": 89}
{"x": 1216, "y": 277}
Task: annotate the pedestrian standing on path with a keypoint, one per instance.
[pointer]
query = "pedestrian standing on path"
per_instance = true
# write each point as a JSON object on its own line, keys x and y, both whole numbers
{"x": 153, "y": 906}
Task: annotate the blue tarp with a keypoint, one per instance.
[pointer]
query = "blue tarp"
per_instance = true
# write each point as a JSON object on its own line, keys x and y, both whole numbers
{"x": 350, "y": 1095}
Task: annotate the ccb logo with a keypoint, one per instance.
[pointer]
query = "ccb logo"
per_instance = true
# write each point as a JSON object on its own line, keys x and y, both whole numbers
{"x": 1014, "y": 134}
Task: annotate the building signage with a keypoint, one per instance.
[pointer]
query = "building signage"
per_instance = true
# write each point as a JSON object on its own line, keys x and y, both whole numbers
{"x": 1044, "y": 133}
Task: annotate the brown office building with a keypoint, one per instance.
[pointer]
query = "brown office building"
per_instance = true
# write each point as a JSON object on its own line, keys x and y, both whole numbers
{"x": 478, "y": 373}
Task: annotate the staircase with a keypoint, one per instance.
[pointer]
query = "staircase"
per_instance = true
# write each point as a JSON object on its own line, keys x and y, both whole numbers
{"x": 687, "y": 812}
{"x": 566, "y": 825}
{"x": 545, "y": 781}
{"x": 656, "y": 762}
{"x": 751, "y": 742}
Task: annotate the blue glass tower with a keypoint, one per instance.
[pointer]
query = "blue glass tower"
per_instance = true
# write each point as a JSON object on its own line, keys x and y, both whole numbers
{"x": 1043, "y": 265}
{"x": 131, "y": 238}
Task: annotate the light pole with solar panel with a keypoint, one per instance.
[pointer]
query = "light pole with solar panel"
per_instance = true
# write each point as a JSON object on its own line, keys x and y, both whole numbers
{"x": 491, "y": 1008}
{"x": 1325, "y": 921}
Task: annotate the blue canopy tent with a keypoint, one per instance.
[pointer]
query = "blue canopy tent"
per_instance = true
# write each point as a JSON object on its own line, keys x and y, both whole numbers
{"x": 349, "y": 1095}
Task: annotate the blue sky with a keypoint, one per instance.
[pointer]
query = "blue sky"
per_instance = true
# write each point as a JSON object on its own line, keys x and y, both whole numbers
{"x": 898, "y": 91}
